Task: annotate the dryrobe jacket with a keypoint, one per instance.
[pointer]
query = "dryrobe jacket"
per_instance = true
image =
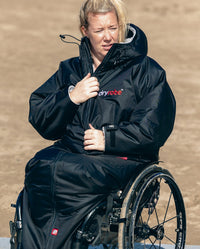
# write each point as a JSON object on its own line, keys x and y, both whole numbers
{"x": 135, "y": 108}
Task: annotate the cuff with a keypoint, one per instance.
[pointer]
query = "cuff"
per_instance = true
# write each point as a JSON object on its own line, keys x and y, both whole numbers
{"x": 70, "y": 89}
{"x": 109, "y": 133}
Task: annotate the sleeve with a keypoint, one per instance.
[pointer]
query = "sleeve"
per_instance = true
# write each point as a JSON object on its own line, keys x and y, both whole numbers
{"x": 150, "y": 124}
{"x": 50, "y": 106}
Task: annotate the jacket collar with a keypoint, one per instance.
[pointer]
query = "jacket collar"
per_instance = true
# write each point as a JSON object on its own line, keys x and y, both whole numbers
{"x": 121, "y": 54}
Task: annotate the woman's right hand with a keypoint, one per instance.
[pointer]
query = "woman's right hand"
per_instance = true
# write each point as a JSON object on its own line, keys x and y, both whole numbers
{"x": 85, "y": 89}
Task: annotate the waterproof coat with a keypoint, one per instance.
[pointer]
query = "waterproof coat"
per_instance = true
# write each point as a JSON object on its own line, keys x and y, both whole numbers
{"x": 135, "y": 108}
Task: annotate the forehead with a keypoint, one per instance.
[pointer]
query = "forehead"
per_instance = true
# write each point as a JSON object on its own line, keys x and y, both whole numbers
{"x": 99, "y": 19}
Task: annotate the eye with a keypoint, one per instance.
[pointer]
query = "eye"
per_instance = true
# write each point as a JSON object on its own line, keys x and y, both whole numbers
{"x": 113, "y": 28}
{"x": 98, "y": 31}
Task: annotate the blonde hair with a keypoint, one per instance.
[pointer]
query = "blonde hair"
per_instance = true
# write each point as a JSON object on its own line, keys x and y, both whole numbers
{"x": 103, "y": 6}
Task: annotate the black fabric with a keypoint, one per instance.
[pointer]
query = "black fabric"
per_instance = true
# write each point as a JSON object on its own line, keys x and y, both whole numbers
{"x": 136, "y": 109}
{"x": 60, "y": 189}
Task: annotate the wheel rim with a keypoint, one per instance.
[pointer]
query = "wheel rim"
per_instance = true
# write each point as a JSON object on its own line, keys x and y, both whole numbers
{"x": 153, "y": 226}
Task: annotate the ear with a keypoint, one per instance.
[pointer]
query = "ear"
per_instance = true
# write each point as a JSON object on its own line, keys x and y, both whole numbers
{"x": 83, "y": 30}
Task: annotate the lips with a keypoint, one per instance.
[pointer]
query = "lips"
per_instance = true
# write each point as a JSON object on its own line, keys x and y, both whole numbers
{"x": 107, "y": 47}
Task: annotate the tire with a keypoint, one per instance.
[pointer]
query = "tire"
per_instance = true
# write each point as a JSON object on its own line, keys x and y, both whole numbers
{"x": 16, "y": 225}
{"x": 153, "y": 212}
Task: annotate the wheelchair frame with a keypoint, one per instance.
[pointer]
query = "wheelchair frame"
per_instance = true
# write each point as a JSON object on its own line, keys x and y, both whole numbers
{"x": 124, "y": 220}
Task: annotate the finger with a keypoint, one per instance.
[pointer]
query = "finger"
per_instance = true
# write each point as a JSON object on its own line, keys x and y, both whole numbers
{"x": 92, "y": 94}
{"x": 87, "y": 76}
{"x": 88, "y": 143}
{"x": 88, "y": 135}
{"x": 89, "y": 147}
{"x": 91, "y": 127}
{"x": 94, "y": 88}
{"x": 92, "y": 80}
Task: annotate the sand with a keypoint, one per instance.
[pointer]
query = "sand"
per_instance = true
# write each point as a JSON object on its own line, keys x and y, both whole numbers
{"x": 30, "y": 53}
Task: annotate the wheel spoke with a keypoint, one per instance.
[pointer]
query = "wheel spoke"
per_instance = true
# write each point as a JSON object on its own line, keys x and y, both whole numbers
{"x": 157, "y": 215}
{"x": 170, "y": 240}
{"x": 149, "y": 215}
{"x": 167, "y": 206}
{"x": 159, "y": 243}
{"x": 144, "y": 244}
{"x": 170, "y": 219}
{"x": 166, "y": 221}
{"x": 153, "y": 243}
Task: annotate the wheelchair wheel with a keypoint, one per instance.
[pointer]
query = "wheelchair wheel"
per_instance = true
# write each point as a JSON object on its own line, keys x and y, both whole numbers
{"x": 16, "y": 225}
{"x": 153, "y": 212}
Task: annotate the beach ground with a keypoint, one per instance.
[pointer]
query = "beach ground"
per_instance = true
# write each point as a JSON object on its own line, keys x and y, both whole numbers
{"x": 30, "y": 53}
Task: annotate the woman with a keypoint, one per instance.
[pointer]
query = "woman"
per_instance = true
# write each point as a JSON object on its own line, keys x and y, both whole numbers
{"x": 110, "y": 110}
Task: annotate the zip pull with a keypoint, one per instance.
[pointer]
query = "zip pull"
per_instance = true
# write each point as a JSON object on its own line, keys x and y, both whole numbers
{"x": 62, "y": 37}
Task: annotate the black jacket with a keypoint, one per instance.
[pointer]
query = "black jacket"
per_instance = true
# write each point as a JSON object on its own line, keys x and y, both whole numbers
{"x": 135, "y": 104}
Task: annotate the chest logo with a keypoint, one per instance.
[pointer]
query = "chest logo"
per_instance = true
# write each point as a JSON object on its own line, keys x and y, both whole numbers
{"x": 103, "y": 93}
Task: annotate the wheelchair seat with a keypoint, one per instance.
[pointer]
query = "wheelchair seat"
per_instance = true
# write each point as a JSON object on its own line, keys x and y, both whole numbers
{"x": 148, "y": 212}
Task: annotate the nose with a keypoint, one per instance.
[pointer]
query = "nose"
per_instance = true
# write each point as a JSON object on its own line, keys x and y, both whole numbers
{"x": 107, "y": 35}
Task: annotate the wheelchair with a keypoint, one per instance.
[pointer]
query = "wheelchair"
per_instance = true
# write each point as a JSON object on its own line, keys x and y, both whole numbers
{"x": 148, "y": 213}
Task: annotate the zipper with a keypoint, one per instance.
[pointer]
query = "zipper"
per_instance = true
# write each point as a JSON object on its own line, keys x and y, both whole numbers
{"x": 53, "y": 172}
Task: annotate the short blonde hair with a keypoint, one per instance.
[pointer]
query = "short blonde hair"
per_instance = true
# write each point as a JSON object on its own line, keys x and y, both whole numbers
{"x": 103, "y": 6}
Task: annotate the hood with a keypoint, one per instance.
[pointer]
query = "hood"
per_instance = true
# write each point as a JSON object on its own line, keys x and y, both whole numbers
{"x": 136, "y": 41}
{"x": 134, "y": 48}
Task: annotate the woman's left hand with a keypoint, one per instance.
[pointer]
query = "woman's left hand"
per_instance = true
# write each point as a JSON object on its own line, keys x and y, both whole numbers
{"x": 94, "y": 139}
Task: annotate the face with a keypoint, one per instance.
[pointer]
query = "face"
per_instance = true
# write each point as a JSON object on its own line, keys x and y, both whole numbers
{"x": 102, "y": 31}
